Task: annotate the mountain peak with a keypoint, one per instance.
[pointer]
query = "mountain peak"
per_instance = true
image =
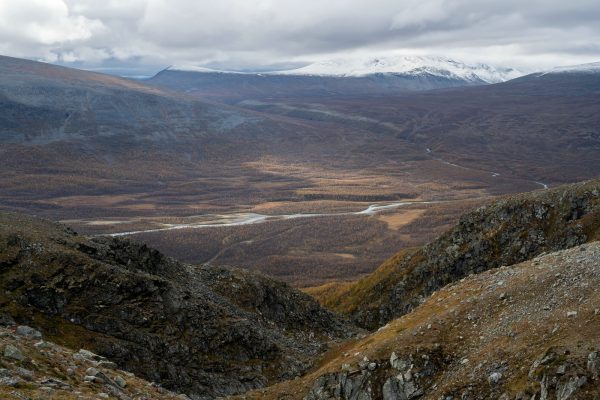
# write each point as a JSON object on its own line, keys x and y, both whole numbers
{"x": 585, "y": 68}
{"x": 407, "y": 65}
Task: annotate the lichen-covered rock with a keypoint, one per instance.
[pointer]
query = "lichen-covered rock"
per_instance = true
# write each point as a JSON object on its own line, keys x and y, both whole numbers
{"x": 13, "y": 352}
{"x": 54, "y": 373}
{"x": 28, "y": 332}
{"x": 342, "y": 385}
{"x": 402, "y": 378}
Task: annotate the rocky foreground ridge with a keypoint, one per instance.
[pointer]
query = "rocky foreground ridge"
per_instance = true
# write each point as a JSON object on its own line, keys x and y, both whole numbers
{"x": 32, "y": 368}
{"x": 525, "y": 332}
{"x": 202, "y": 331}
{"x": 505, "y": 232}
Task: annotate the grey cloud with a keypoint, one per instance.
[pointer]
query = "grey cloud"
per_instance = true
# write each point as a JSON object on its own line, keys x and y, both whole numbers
{"x": 137, "y": 34}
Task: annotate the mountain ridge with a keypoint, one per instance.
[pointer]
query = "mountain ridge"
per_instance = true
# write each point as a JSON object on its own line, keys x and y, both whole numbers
{"x": 504, "y": 232}
{"x": 206, "y": 331}
{"x": 409, "y": 65}
{"x": 593, "y": 67}
{"x": 391, "y": 65}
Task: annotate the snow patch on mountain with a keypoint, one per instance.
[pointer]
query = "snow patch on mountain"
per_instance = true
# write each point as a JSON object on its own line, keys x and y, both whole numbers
{"x": 588, "y": 68}
{"x": 407, "y": 65}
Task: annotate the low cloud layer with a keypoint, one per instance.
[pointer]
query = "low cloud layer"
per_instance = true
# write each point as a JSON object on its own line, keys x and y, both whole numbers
{"x": 138, "y": 36}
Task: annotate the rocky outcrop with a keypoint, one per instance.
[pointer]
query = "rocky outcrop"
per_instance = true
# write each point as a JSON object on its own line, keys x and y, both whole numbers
{"x": 561, "y": 377}
{"x": 409, "y": 382}
{"x": 504, "y": 232}
{"x": 45, "y": 370}
{"x": 198, "y": 330}
{"x": 399, "y": 378}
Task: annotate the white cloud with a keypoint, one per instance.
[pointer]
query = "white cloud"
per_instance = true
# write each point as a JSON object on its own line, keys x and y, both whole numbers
{"x": 43, "y": 23}
{"x": 238, "y": 33}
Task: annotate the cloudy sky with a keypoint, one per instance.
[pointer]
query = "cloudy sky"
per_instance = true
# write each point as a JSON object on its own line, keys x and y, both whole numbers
{"x": 142, "y": 36}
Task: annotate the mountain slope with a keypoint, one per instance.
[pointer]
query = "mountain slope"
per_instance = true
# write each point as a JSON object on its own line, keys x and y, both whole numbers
{"x": 527, "y": 331}
{"x": 65, "y": 132}
{"x": 201, "y": 330}
{"x": 43, "y": 103}
{"x": 504, "y": 232}
{"x": 542, "y": 127}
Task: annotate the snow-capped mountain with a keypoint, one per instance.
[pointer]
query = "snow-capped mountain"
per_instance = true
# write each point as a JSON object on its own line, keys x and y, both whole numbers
{"x": 407, "y": 65}
{"x": 442, "y": 67}
{"x": 342, "y": 76}
{"x": 587, "y": 68}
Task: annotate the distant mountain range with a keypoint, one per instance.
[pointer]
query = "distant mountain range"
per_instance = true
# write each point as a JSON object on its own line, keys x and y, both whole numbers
{"x": 346, "y": 76}
{"x": 410, "y": 66}
{"x": 343, "y": 76}
{"x": 389, "y": 65}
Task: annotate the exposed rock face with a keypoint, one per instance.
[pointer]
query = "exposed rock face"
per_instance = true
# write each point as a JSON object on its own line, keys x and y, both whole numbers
{"x": 408, "y": 385}
{"x": 503, "y": 233}
{"x": 399, "y": 379}
{"x": 198, "y": 330}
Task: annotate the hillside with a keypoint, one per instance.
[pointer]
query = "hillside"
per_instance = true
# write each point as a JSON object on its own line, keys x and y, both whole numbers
{"x": 204, "y": 331}
{"x": 527, "y": 331}
{"x": 505, "y": 232}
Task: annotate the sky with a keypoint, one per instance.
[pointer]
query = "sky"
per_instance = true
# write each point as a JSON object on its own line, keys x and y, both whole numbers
{"x": 141, "y": 37}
